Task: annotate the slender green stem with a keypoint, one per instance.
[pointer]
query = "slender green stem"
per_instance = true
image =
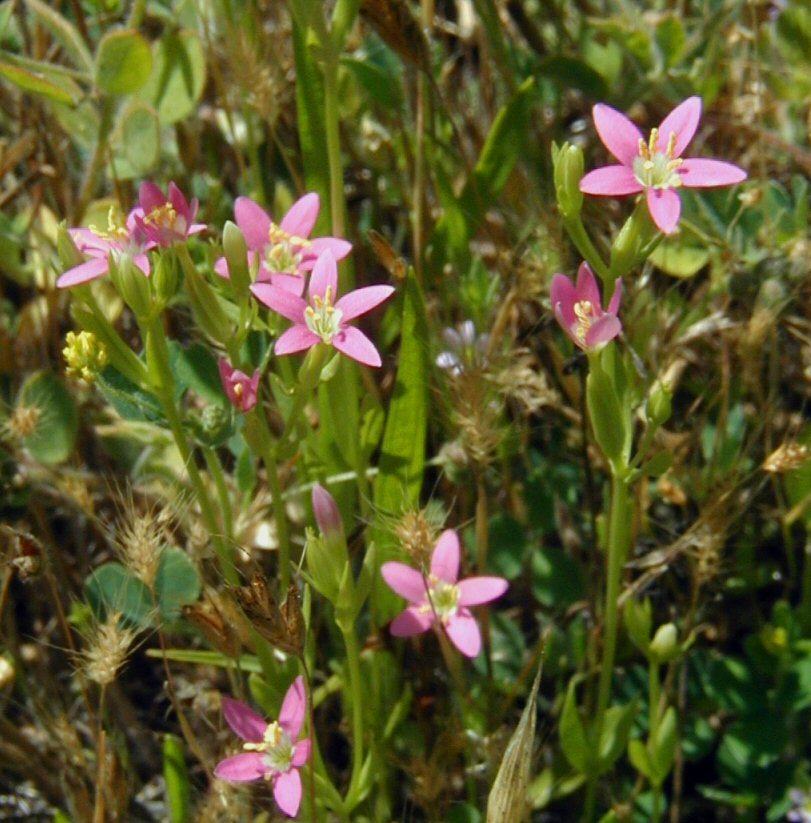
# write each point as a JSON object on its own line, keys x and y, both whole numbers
{"x": 579, "y": 236}
{"x": 216, "y": 471}
{"x": 158, "y": 358}
{"x": 353, "y": 663}
{"x": 654, "y": 696}
{"x": 137, "y": 14}
{"x": 618, "y": 536}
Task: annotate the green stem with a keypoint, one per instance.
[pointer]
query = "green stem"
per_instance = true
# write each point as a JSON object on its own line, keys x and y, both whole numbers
{"x": 137, "y": 14}
{"x": 579, "y": 236}
{"x": 353, "y": 663}
{"x": 654, "y": 696}
{"x": 158, "y": 359}
{"x": 215, "y": 469}
{"x": 618, "y": 536}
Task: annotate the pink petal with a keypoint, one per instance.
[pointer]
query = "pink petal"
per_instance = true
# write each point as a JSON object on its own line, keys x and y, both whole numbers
{"x": 610, "y": 181}
{"x": 150, "y": 197}
{"x": 89, "y": 270}
{"x": 295, "y": 339}
{"x": 221, "y": 268}
{"x": 474, "y": 591}
{"x": 699, "y": 173}
{"x": 179, "y": 202}
{"x": 569, "y": 328}
{"x": 355, "y": 344}
{"x": 302, "y": 215}
{"x": 196, "y": 228}
{"x": 244, "y": 720}
{"x": 445, "y": 559}
{"x": 87, "y": 241}
{"x": 405, "y": 581}
{"x": 602, "y": 330}
{"x": 142, "y": 262}
{"x": 283, "y": 302}
{"x": 253, "y": 221}
{"x": 614, "y": 304}
{"x": 242, "y": 767}
{"x": 411, "y": 621}
{"x": 301, "y": 752}
{"x": 463, "y": 630}
{"x": 287, "y": 791}
{"x": 291, "y": 716}
{"x": 683, "y": 122}
{"x": 619, "y": 135}
{"x": 563, "y": 296}
{"x": 291, "y": 283}
{"x": 324, "y": 276}
{"x": 318, "y": 245}
{"x": 665, "y": 207}
{"x": 358, "y": 302}
{"x": 587, "y": 288}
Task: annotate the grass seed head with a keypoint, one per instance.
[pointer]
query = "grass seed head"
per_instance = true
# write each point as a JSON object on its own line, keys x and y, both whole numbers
{"x": 107, "y": 649}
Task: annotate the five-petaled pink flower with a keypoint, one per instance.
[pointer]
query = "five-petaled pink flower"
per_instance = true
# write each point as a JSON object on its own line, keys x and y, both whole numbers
{"x": 656, "y": 166}
{"x": 270, "y": 749}
{"x": 241, "y": 390}
{"x": 284, "y": 251}
{"x": 99, "y": 245}
{"x": 579, "y": 311}
{"x": 321, "y": 318}
{"x": 166, "y": 219}
{"x": 441, "y": 597}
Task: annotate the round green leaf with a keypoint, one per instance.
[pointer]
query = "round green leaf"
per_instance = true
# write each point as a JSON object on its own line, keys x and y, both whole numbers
{"x": 177, "y": 583}
{"x": 112, "y": 588}
{"x": 177, "y": 82}
{"x": 140, "y": 134}
{"x": 123, "y": 62}
{"x": 54, "y": 416}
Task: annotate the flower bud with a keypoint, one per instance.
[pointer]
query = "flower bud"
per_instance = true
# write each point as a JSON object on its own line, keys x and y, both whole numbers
{"x": 85, "y": 355}
{"x": 665, "y": 645}
{"x": 327, "y": 514}
{"x": 659, "y": 404}
{"x": 236, "y": 253}
{"x": 69, "y": 255}
{"x": 165, "y": 278}
{"x": 568, "y": 163}
{"x": 208, "y": 313}
{"x": 637, "y": 616}
{"x": 242, "y": 391}
{"x": 132, "y": 284}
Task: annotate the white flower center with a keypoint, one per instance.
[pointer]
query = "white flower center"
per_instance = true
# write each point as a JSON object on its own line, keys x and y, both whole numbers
{"x": 277, "y": 748}
{"x": 586, "y": 315}
{"x": 322, "y": 318}
{"x": 655, "y": 169}
{"x": 284, "y": 251}
{"x": 444, "y": 597}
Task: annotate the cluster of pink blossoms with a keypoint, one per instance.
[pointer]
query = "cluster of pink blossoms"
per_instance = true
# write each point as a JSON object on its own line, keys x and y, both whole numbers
{"x": 654, "y": 167}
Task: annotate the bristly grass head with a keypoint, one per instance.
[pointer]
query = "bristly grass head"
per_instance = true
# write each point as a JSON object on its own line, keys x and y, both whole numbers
{"x": 108, "y": 644}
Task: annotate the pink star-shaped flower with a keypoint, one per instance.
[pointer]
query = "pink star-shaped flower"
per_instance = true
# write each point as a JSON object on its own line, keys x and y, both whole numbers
{"x": 321, "y": 318}
{"x": 284, "y": 250}
{"x": 579, "y": 311}
{"x": 655, "y": 167}
{"x": 166, "y": 218}
{"x": 441, "y": 597}
{"x": 100, "y": 246}
{"x": 270, "y": 749}
{"x": 240, "y": 389}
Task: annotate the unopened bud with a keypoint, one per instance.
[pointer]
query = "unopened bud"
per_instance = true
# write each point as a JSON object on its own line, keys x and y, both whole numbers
{"x": 326, "y": 511}
{"x": 568, "y": 162}
{"x": 85, "y": 355}
{"x": 665, "y": 644}
{"x": 165, "y": 278}
{"x": 659, "y": 404}
{"x": 236, "y": 253}
{"x": 69, "y": 255}
{"x": 132, "y": 284}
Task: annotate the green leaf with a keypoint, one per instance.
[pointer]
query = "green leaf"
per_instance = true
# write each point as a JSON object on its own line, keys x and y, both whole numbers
{"x": 177, "y": 583}
{"x": 676, "y": 258}
{"x": 63, "y": 31}
{"x": 176, "y": 775}
{"x": 402, "y": 457}
{"x": 614, "y": 737}
{"x": 195, "y": 367}
{"x": 140, "y": 134}
{"x": 57, "y": 420}
{"x": 573, "y": 738}
{"x": 112, "y": 588}
{"x": 573, "y": 73}
{"x": 123, "y": 62}
{"x": 130, "y": 401}
{"x": 606, "y": 413}
{"x": 178, "y": 77}
{"x": 640, "y": 759}
{"x": 671, "y": 39}
{"x": 36, "y": 82}
{"x": 557, "y": 579}
{"x": 663, "y": 746}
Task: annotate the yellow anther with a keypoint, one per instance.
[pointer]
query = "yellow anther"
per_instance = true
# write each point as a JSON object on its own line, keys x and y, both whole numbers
{"x": 671, "y": 145}
{"x": 584, "y": 312}
{"x": 165, "y": 215}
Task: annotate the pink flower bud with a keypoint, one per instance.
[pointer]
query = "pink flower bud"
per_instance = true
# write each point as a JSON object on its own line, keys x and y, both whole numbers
{"x": 326, "y": 512}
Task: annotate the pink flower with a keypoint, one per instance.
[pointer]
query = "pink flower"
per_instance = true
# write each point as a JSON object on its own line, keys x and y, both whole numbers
{"x": 242, "y": 390}
{"x": 118, "y": 241}
{"x": 441, "y": 596}
{"x": 326, "y": 512}
{"x": 655, "y": 167}
{"x": 284, "y": 251}
{"x": 579, "y": 311}
{"x": 166, "y": 219}
{"x": 320, "y": 320}
{"x": 270, "y": 751}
